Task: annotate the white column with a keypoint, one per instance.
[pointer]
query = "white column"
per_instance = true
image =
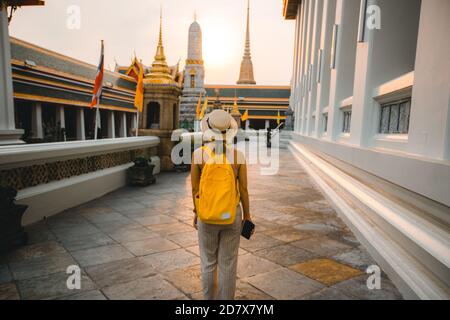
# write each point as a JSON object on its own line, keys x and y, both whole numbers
{"x": 36, "y": 121}
{"x": 267, "y": 124}
{"x": 8, "y": 132}
{"x": 60, "y": 117}
{"x": 123, "y": 125}
{"x": 111, "y": 125}
{"x": 342, "y": 76}
{"x": 374, "y": 68}
{"x": 323, "y": 88}
{"x": 81, "y": 135}
{"x": 134, "y": 123}
{"x": 247, "y": 124}
{"x": 429, "y": 130}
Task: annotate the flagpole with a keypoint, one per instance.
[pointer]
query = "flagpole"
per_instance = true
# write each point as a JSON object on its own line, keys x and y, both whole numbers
{"x": 96, "y": 124}
{"x": 137, "y": 123}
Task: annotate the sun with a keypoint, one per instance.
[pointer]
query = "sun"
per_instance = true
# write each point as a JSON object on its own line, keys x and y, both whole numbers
{"x": 219, "y": 47}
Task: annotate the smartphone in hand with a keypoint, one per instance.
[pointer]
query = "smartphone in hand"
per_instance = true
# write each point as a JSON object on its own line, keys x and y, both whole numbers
{"x": 247, "y": 229}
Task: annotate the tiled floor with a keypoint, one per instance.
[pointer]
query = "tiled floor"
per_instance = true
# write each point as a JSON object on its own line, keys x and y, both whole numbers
{"x": 138, "y": 243}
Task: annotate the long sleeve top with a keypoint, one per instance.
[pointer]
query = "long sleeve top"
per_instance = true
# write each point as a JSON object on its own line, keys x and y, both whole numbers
{"x": 199, "y": 157}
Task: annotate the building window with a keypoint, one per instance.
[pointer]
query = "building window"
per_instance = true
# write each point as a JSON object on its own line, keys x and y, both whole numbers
{"x": 394, "y": 117}
{"x": 325, "y": 122}
{"x": 347, "y": 121}
{"x": 192, "y": 80}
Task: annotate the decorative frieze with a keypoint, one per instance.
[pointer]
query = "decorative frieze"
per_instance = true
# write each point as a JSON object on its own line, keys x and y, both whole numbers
{"x": 33, "y": 175}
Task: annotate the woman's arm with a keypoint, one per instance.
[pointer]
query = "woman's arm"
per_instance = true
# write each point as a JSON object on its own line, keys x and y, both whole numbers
{"x": 244, "y": 191}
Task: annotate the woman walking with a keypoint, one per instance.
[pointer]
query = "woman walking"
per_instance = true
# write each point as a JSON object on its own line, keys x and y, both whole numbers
{"x": 221, "y": 204}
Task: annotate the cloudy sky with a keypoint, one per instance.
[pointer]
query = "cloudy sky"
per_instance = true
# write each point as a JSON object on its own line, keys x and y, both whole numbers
{"x": 132, "y": 25}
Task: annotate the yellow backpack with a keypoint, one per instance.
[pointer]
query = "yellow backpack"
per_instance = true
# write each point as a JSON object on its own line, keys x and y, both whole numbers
{"x": 218, "y": 193}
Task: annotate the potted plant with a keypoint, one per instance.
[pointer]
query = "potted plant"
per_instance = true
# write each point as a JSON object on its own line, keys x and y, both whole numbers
{"x": 12, "y": 234}
{"x": 141, "y": 173}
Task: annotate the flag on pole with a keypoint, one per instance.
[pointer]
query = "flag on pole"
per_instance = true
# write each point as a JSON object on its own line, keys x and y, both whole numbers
{"x": 139, "y": 96}
{"x": 278, "y": 117}
{"x": 205, "y": 105}
{"x": 244, "y": 117}
{"x": 98, "y": 84}
{"x": 199, "y": 103}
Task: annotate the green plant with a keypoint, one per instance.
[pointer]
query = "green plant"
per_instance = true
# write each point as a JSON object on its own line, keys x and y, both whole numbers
{"x": 142, "y": 162}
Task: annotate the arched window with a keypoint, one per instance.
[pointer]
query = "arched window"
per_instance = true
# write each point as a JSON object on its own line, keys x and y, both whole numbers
{"x": 153, "y": 110}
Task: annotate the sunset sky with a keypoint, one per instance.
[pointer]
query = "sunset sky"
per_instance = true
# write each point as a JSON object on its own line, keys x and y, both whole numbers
{"x": 128, "y": 26}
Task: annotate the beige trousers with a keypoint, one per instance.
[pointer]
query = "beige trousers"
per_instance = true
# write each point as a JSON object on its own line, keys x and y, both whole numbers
{"x": 219, "y": 246}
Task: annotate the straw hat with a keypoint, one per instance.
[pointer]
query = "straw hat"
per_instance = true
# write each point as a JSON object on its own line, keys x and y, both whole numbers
{"x": 218, "y": 123}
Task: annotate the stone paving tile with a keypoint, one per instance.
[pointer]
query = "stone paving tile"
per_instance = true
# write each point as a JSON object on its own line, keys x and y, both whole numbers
{"x": 148, "y": 246}
{"x": 150, "y": 288}
{"x": 51, "y": 286}
{"x": 88, "y": 295}
{"x": 326, "y": 271}
{"x": 249, "y": 265}
{"x": 170, "y": 228}
{"x": 80, "y": 230}
{"x": 316, "y": 228}
{"x": 131, "y": 233}
{"x": 185, "y": 239}
{"x": 76, "y": 243}
{"x": 171, "y": 260}
{"x": 186, "y": 279}
{"x": 39, "y": 232}
{"x": 259, "y": 241}
{"x": 284, "y": 284}
{"x": 8, "y": 291}
{"x": 245, "y": 291}
{"x": 356, "y": 258}
{"x": 100, "y": 255}
{"x": 322, "y": 246}
{"x": 33, "y": 251}
{"x": 41, "y": 266}
{"x": 285, "y": 255}
{"x": 154, "y": 219}
{"x": 358, "y": 288}
{"x": 5, "y": 274}
{"x": 287, "y": 234}
{"x": 329, "y": 293}
{"x": 116, "y": 272}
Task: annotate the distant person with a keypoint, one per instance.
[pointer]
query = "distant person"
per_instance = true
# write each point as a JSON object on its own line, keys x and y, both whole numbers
{"x": 269, "y": 138}
{"x": 219, "y": 187}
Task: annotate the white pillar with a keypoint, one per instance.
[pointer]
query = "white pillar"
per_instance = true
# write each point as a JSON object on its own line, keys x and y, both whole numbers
{"x": 267, "y": 124}
{"x": 342, "y": 76}
{"x": 60, "y": 117}
{"x": 8, "y": 132}
{"x": 111, "y": 125}
{"x": 81, "y": 135}
{"x": 247, "y": 124}
{"x": 429, "y": 130}
{"x": 36, "y": 121}
{"x": 123, "y": 125}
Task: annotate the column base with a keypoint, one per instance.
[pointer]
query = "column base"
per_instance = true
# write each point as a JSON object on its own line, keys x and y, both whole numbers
{"x": 9, "y": 137}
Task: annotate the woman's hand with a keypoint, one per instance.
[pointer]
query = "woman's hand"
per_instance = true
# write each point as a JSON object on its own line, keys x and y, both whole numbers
{"x": 194, "y": 222}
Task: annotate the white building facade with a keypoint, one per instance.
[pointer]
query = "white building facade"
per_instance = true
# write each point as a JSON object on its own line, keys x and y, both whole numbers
{"x": 371, "y": 100}
{"x": 194, "y": 77}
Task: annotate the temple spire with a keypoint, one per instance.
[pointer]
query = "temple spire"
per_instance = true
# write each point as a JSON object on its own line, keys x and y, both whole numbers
{"x": 160, "y": 70}
{"x": 246, "y": 73}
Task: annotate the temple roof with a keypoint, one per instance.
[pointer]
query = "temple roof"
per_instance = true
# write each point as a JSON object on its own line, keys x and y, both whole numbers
{"x": 43, "y": 75}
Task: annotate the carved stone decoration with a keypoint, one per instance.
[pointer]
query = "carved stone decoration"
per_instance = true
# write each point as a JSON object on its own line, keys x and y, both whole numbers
{"x": 12, "y": 234}
{"x": 141, "y": 174}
